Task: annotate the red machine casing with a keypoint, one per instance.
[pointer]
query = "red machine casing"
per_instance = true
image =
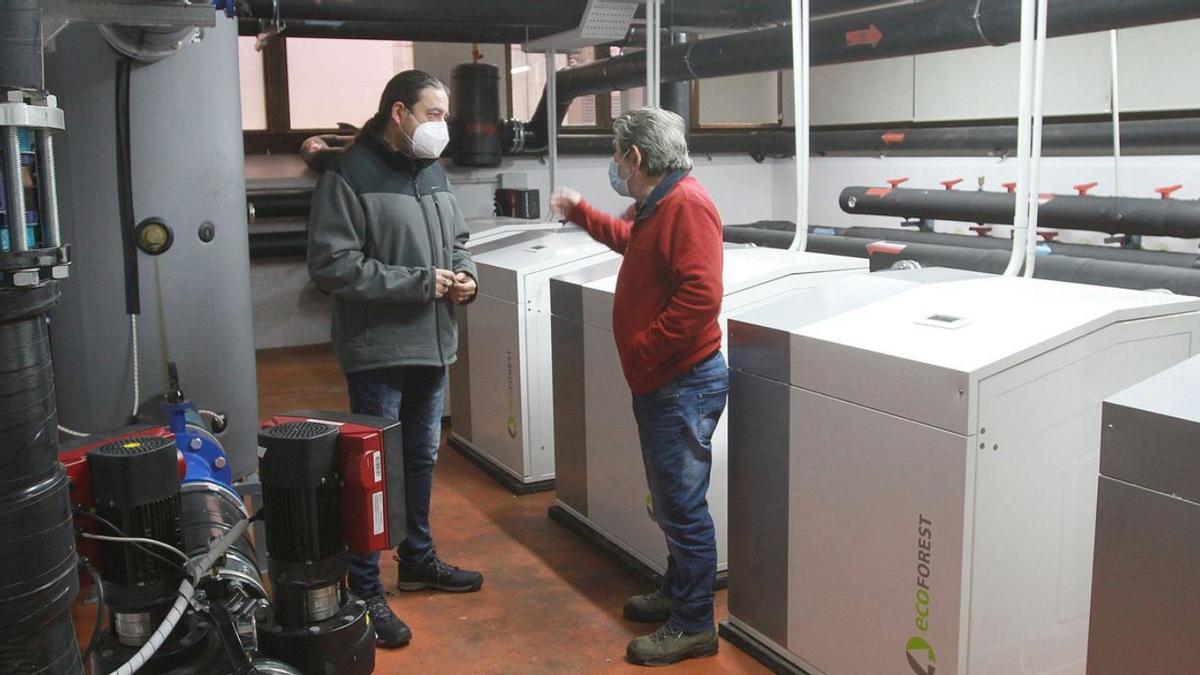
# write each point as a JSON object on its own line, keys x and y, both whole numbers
{"x": 73, "y": 455}
{"x": 372, "y": 466}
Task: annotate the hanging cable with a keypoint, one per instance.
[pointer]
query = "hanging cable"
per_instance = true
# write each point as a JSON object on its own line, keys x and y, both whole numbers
{"x": 1024, "y": 137}
{"x": 107, "y": 523}
{"x": 133, "y": 344}
{"x": 1035, "y": 161}
{"x": 100, "y": 607}
{"x": 137, "y": 540}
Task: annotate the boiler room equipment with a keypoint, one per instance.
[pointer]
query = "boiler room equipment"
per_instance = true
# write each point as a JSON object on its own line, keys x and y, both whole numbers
{"x": 332, "y": 483}
{"x": 600, "y": 479}
{"x": 913, "y": 481}
{"x": 1144, "y": 583}
{"x": 502, "y": 384}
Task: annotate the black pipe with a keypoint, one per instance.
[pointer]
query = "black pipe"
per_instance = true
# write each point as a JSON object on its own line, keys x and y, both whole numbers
{"x": 1070, "y": 139}
{"x": 21, "y": 45}
{"x": 1129, "y": 255}
{"x": 287, "y": 204}
{"x": 278, "y": 244}
{"x": 902, "y": 30}
{"x": 1056, "y": 268}
{"x": 831, "y": 245}
{"x": 38, "y": 562}
{"x": 1114, "y": 215}
{"x": 564, "y": 14}
{"x": 416, "y": 31}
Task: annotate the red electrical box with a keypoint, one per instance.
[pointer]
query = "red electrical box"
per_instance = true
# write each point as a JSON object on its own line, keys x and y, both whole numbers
{"x": 373, "y": 515}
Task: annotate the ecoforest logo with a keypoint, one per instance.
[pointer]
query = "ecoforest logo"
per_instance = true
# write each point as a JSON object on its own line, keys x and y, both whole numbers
{"x": 921, "y": 657}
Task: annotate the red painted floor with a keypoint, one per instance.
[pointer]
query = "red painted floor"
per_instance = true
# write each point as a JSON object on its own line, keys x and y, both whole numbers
{"x": 551, "y": 603}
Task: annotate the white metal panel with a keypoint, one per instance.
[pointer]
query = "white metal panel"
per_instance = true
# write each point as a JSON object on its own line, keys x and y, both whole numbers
{"x": 863, "y": 485}
{"x": 1038, "y": 458}
{"x": 1160, "y": 67}
{"x": 496, "y": 361}
{"x": 982, "y": 83}
{"x": 857, "y": 93}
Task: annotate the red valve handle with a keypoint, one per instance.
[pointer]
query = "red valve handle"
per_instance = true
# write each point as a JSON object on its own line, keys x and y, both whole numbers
{"x": 1011, "y": 187}
{"x": 981, "y": 230}
{"x": 1083, "y": 188}
{"x": 1048, "y": 235}
{"x": 1166, "y": 191}
{"x": 895, "y": 182}
{"x": 949, "y": 184}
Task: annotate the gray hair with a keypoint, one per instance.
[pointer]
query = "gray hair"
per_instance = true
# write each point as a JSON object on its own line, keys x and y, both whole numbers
{"x": 659, "y": 134}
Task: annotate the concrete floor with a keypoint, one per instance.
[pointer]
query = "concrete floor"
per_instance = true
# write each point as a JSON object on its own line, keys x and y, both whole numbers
{"x": 551, "y": 603}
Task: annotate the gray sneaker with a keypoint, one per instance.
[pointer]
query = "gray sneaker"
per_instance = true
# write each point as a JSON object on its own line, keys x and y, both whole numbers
{"x": 669, "y": 645}
{"x": 649, "y": 608}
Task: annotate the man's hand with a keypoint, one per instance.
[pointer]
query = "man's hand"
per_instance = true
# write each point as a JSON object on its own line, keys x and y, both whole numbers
{"x": 445, "y": 281}
{"x": 563, "y": 200}
{"x": 463, "y": 289}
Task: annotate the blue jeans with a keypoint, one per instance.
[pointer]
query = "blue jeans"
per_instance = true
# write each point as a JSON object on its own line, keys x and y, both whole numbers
{"x": 413, "y": 395}
{"x": 675, "y": 425}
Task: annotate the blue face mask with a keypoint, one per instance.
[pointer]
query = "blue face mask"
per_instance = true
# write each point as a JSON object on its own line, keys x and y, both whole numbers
{"x": 621, "y": 185}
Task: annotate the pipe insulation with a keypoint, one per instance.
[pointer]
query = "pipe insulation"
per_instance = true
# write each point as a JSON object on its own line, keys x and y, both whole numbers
{"x": 1113, "y": 215}
{"x": 39, "y": 578}
{"x": 901, "y": 30}
{"x": 21, "y": 45}
{"x": 1055, "y": 268}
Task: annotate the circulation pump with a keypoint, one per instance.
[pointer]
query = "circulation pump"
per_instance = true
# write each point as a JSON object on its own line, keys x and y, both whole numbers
{"x": 316, "y": 624}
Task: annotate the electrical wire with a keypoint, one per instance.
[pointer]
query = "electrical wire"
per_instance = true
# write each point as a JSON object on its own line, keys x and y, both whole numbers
{"x": 139, "y": 540}
{"x": 133, "y": 341}
{"x": 107, "y": 523}
{"x": 187, "y": 590}
{"x": 72, "y": 432}
{"x": 100, "y": 607}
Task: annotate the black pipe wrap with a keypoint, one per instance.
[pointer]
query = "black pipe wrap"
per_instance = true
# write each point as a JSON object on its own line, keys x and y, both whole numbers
{"x": 21, "y": 45}
{"x": 900, "y": 30}
{"x": 1131, "y": 255}
{"x": 38, "y": 565}
{"x": 290, "y": 204}
{"x": 1114, "y": 215}
{"x": 38, "y": 558}
{"x": 278, "y": 244}
{"x": 1056, "y": 268}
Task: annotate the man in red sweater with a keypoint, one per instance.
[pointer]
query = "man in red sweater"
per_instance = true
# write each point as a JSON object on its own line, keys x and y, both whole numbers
{"x": 665, "y": 311}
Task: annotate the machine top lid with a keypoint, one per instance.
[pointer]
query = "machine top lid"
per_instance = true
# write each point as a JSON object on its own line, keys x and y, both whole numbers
{"x": 748, "y": 267}
{"x": 1171, "y": 393}
{"x": 967, "y": 326}
{"x": 534, "y": 251}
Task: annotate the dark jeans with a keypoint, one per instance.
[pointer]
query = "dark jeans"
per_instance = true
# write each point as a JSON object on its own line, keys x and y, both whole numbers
{"x": 413, "y": 395}
{"x": 676, "y": 425}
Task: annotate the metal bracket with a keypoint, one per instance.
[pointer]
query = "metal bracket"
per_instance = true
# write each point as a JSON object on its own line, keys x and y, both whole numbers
{"x": 57, "y": 14}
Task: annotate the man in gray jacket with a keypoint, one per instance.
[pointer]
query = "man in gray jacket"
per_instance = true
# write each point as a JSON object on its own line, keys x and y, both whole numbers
{"x": 387, "y": 240}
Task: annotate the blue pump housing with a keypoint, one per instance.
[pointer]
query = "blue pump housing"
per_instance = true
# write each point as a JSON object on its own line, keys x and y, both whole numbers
{"x": 202, "y": 452}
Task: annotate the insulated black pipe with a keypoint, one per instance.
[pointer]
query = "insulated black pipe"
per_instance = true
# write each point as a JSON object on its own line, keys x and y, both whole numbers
{"x": 1056, "y": 268}
{"x": 289, "y": 204}
{"x": 21, "y": 45}
{"x": 902, "y": 30}
{"x": 564, "y": 14}
{"x": 817, "y": 243}
{"x": 1059, "y": 139}
{"x": 1114, "y": 215}
{"x": 416, "y": 31}
{"x": 278, "y": 244}
{"x": 39, "y": 578}
{"x": 1129, "y": 255}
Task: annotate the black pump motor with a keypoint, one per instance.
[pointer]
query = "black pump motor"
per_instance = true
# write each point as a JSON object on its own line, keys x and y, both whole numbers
{"x": 136, "y": 483}
{"x": 317, "y": 625}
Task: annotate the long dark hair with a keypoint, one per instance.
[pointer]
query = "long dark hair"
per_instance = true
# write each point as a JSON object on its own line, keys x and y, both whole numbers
{"x": 407, "y": 88}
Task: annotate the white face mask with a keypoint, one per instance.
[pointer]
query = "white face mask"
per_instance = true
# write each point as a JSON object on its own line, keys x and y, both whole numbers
{"x": 429, "y": 140}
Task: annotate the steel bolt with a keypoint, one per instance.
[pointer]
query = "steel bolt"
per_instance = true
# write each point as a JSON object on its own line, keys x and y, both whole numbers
{"x": 196, "y": 444}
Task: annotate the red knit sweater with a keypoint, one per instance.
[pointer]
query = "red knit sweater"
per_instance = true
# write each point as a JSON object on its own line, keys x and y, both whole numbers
{"x": 669, "y": 288}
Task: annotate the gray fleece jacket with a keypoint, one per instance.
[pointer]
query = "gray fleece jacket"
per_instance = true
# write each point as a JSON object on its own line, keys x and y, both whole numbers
{"x": 380, "y": 223}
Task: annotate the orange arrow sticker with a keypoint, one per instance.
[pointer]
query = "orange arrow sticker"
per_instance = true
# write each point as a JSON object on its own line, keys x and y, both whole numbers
{"x": 893, "y": 137}
{"x": 878, "y": 192}
{"x": 868, "y": 36}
